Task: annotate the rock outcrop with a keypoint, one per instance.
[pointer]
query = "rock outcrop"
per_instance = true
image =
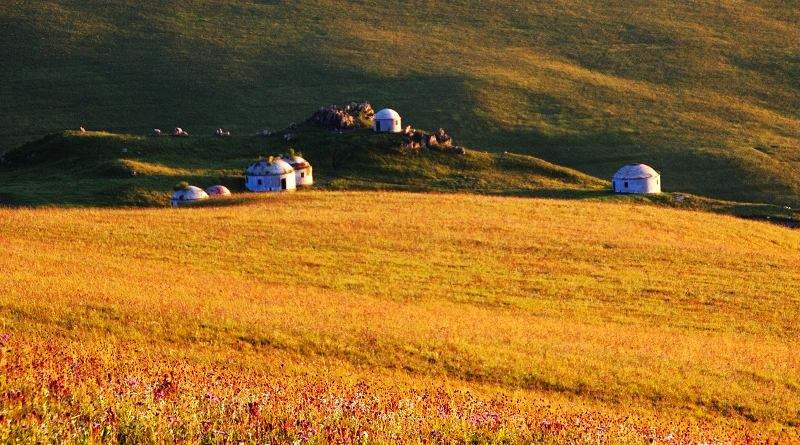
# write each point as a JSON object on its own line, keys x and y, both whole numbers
{"x": 343, "y": 117}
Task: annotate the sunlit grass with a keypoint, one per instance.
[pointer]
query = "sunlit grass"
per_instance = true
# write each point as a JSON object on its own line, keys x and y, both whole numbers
{"x": 542, "y": 309}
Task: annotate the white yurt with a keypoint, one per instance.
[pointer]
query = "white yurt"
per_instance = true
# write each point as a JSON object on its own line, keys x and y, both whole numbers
{"x": 270, "y": 175}
{"x": 188, "y": 194}
{"x": 218, "y": 190}
{"x": 387, "y": 121}
{"x": 636, "y": 178}
{"x": 303, "y": 175}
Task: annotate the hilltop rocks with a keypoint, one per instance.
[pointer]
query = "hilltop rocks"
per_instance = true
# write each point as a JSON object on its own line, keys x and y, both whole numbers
{"x": 343, "y": 117}
{"x": 413, "y": 139}
{"x": 442, "y": 141}
{"x": 333, "y": 119}
{"x": 442, "y": 138}
{"x": 439, "y": 140}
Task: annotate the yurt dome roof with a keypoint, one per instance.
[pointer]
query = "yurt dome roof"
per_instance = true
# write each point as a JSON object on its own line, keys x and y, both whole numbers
{"x": 296, "y": 162}
{"x": 190, "y": 193}
{"x": 635, "y": 171}
{"x": 387, "y": 113}
{"x": 219, "y": 190}
{"x": 266, "y": 168}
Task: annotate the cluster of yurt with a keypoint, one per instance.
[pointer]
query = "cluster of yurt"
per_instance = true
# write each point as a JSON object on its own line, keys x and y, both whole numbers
{"x": 303, "y": 175}
{"x": 218, "y": 190}
{"x": 186, "y": 194}
{"x": 636, "y": 179}
{"x": 270, "y": 175}
{"x": 274, "y": 174}
{"x": 278, "y": 173}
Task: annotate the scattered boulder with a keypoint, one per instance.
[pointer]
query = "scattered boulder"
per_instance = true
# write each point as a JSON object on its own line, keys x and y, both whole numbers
{"x": 440, "y": 140}
{"x": 222, "y": 133}
{"x": 156, "y": 133}
{"x": 413, "y": 139}
{"x": 266, "y": 132}
{"x": 343, "y": 117}
{"x": 409, "y": 144}
{"x": 179, "y": 132}
{"x": 334, "y": 119}
{"x": 443, "y": 139}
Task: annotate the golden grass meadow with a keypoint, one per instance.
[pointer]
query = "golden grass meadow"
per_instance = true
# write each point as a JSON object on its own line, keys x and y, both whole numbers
{"x": 387, "y": 317}
{"x": 540, "y": 308}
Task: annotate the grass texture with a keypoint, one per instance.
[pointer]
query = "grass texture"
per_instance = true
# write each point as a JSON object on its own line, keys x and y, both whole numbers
{"x": 705, "y": 92}
{"x": 397, "y": 317}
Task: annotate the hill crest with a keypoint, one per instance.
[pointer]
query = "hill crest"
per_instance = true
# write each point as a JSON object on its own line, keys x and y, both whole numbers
{"x": 707, "y": 93}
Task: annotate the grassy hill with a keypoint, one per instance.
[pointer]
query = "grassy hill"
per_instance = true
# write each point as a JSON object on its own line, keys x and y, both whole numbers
{"x": 706, "y": 93}
{"x": 106, "y": 169}
{"x": 121, "y": 170}
{"x": 380, "y": 317}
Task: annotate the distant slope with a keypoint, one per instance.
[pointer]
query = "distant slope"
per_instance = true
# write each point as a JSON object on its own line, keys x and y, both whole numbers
{"x": 708, "y": 93}
{"x": 90, "y": 169}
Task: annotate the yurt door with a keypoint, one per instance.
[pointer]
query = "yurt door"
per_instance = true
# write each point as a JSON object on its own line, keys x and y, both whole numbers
{"x": 283, "y": 183}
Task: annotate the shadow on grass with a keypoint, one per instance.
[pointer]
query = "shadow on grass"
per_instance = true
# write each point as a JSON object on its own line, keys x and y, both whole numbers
{"x": 248, "y": 198}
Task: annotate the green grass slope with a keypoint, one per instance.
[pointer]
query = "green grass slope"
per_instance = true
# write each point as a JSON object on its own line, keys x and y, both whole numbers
{"x": 90, "y": 169}
{"x": 121, "y": 170}
{"x": 705, "y": 92}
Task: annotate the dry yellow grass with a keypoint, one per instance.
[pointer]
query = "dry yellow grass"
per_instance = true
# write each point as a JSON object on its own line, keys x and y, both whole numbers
{"x": 543, "y": 310}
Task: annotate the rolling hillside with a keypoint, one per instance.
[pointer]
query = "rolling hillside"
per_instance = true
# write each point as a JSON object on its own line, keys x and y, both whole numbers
{"x": 411, "y": 296}
{"x": 106, "y": 169}
{"x": 707, "y": 93}
{"x": 376, "y": 317}
{"x": 120, "y": 170}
